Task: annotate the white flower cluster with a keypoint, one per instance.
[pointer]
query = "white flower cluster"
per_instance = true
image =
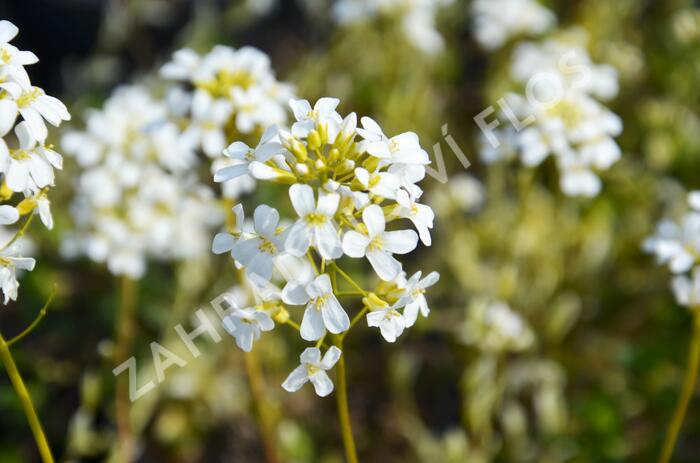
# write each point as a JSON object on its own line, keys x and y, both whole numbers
{"x": 493, "y": 326}
{"x": 678, "y": 246}
{"x": 497, "y": 21}
{"x": 135, "y": 198}
{"x": 346, "y": 185}
{"x": 560, "y": 115}
{"x": 417, "y": 18}
{"x": 27, "y": 161}
{"x": 224, "y": 94}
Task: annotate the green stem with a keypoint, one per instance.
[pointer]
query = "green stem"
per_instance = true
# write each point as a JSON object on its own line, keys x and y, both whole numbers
{"x": 350, "y": 280}
{"x": 20, "y": 233}
{"x": 124, "y": 344}
{"x": 26, "y": 400}
{"x": 691, "y": 374}
{"x": 37, "y": 320}
{"x": 256, "y": 382}
{"x": 343, "y": 411}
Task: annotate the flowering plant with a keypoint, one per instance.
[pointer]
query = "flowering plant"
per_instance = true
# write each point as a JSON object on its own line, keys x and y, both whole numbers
{"x": 346, "y": 184}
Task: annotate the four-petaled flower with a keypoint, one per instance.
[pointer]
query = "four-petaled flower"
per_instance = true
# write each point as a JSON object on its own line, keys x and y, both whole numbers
{"x": 378, "y": 245}
{"x": 323, "y": 311}
{"x": 315, "y": 226}
{"x": 313, "y": 369}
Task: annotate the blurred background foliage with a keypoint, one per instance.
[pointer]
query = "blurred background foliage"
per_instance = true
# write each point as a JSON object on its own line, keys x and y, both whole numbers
{"x": 600, "y": 378}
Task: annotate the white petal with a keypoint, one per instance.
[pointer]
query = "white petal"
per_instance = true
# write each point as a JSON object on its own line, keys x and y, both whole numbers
{"x": 331, "y": 357}
{"x": 334, "y": 317}
{"x": 266, "y": 219}
{"x": 294, "y": 293}
{"x": 322, "y": 383}
{"x": 384, "y": 264}
{"x": 327, "y": 241}
{"x": 296, "y": 379}
{"x": 302, "y": 197}
{"x": 297, "y": 241}
{"x": 355, "y": 244}
{"x": 312, "y": 327}
{"x": 223, "y": 242}
{"x": 311, "y": 356}
{"x": 400, "y": 242}
{"x": 8, "y": 31}
{"x": 230, "y": 172}
{"x": 373, "y": 217}
{"x": 328, "y": 204}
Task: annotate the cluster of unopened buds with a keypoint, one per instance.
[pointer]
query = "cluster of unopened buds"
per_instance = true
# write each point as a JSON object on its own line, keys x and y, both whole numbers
{"x": 27, "y": 161}
{"x": 346, "y": 184}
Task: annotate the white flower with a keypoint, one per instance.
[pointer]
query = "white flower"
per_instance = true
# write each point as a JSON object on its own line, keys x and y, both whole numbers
{"x": 315, "y": 226}
{"x": 676, "y": 245}
{"x": 401, "y": 149}
{"x": 420, "y": 215}
{"x": 322, "y": 114}
{"x": 390, "y": 321}
{"x": 323, "y": 311}
{"x": 10, "y": 262}
{"x": 496, "y": 21}
{"x": 207, "y": 123}
{"x": 378, "y": 245}
{"x": 35, "y": 106}
{"x": 239, "y": 151}
{"x": 416, "y": 17}
{"x": 382, "y": 184}
{"x": 29, "y": 167}
{"x": 313, "y": 369}
{"x": 246, "y": 325}
{"x": 257, "y": 253}
{"x": 494, "y": 326}
{"x": 185, "y": 62}
{"x": 414, "y": 289}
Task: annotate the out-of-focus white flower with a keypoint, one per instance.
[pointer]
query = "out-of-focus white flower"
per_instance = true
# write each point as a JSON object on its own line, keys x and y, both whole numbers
{"x": 560, "y": 116}
{"x": 494, "y": 326}
{"x": 687, "y": 290}
{"x": 135, "y": 199}
{"x": 676, "y": 245}
{"x": 313, "y": 369}
{"x": 229, "y": 86}
{"x": 496, "y": 21}
{"x": 417, "y": 18}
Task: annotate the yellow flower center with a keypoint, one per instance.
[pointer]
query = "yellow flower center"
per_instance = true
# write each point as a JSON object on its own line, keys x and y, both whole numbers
{"x": 312, "y": 370}
{"x": 19, "y": 155}
{"x": 5, "y": 262}
{"x": 570, "y": 113}
{"x": 376, "y": 244}
{"x": 220, "y": 86}
{"x": 319, "y": 301}
{"x": 5, "y": 55}
{"x": 28, "y": 97}
{"x": 315, "y": 219}
{"x": 267, "y": 246}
